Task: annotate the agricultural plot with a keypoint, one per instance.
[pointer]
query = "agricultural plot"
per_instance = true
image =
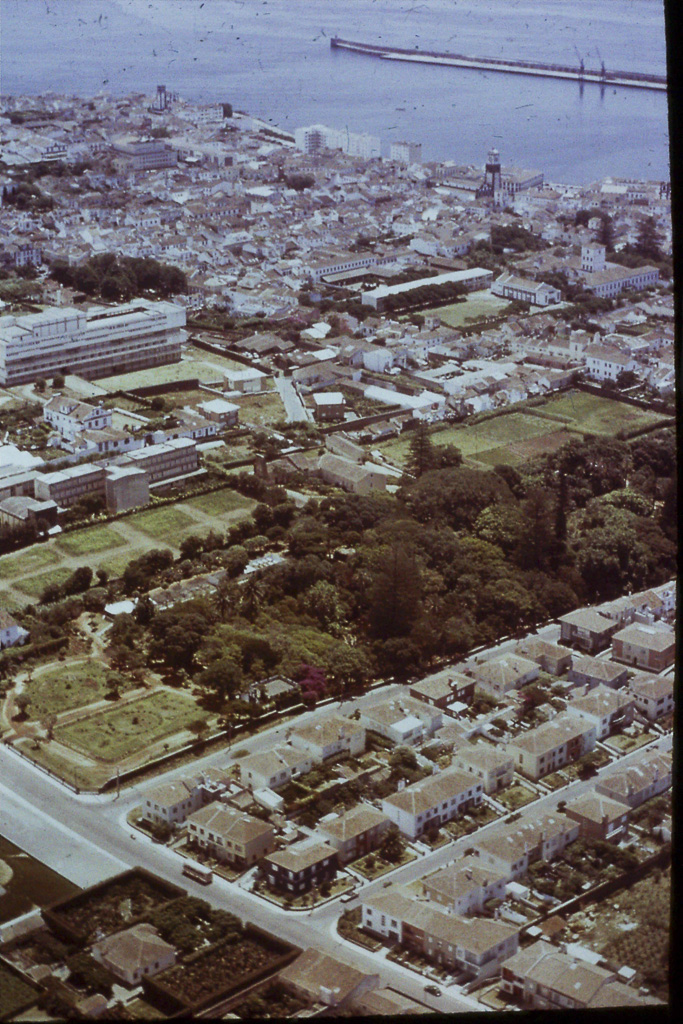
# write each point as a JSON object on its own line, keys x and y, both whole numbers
{"x": 162, "y": 524}
{"x": 119, "y": 732}
{"x": 221, "y": 503}
{"x": 63, "y": 687}
{"x": 26, "y": 562}
{"x": 35, "y": 585}
{"x": 90, "y": 541}
{"x": 593, "y": 414}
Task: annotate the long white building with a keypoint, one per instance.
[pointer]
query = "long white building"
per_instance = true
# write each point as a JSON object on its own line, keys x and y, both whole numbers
{"x": 99, "y": 342}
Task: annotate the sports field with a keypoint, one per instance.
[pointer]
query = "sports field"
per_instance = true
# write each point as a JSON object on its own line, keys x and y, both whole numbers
{"x": 476, "y": 306}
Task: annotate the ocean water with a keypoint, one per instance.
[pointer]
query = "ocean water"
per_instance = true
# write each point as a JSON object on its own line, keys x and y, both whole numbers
{"x": 272, "y": 58}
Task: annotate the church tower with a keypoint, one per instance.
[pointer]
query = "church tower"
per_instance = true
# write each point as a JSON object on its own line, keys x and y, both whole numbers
{"x": 493, "y": 170}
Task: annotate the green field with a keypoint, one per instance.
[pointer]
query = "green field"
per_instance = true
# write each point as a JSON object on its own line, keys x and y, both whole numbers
{"x": 90, "y": 541}
{"x": 477, "y": 305}
{"x": 37, "y": 557}
{"x": 115, "y": 565}
{"x": 63, "y": 687}
{"x": 261, "y": 409}
{"x": 203, "y": 366}
{"x": 35, "y": 585}
{"x": 593, "y": 414}
{"x": 163, "y": 524}
{"x": 221, "y": 503}
{"x": 119, "y": 732}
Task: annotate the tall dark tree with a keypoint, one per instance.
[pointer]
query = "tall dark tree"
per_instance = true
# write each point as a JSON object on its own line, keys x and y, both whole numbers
{"x": 605, "y": 233}
{"x": 395, "y": 594}
{"x": 649, "y": 240}
{"x": 561, "y": 510}
{"x": 421, "y": 452}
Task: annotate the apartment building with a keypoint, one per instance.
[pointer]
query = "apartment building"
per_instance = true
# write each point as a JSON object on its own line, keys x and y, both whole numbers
{"x": 544, "y": 977}
{"x": 67, "y": 486}
{"x": 464, "y": 886}
{"x": 355, "y": 832}
{"x": 587, "y": 629}
{"x": 609, "y": 710}
{"x": 403, "y": 721}
{"x": 635, "y": 783}
{"x": 433, "y": 801}
{"x": 334, "y": 735}
{"x": 497, "y": 676}
{"x": 599, "y": 816}
{"x": 299, "y": 867}
{"x": 165, "y": 461}
{"x": 406, "y": 153}
{"x": 654, "y": 695}
{"x": 552, "y": 744}
{"x": 495, "y": 767}
{"x": 99, "y": 342}
{"x": 510, "y": 850}
{"x": 230, "y": 835}
{"x": 477, "y": 946}
{"x": 648, "y": 647}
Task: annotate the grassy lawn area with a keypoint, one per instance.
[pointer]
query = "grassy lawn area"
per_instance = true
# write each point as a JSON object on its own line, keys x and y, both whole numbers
{"x": 118, "y": 732}
{"x": 221, "y": 503}
{"x": 381, "y": 867}
{"x": 90, "y": 541}
{"x": 35, "y": 585}
{"x": 15, "y": 993}
{"x": 625, "y": 743}
{"x": 163, "y": 524}
{"x": 63, "y": 687}
{"x": 593, "y": 414}
{"x": 23, "y": 564}
{"x": 476, "y": 306}
{"x": 516, "y": 795}
{"x": 261, "y": 409}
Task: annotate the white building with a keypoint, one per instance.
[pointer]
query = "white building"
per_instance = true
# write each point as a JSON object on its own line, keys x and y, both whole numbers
{"x": 99, "y": 342}
{"x": 406, "y": 153}
{"x": 403, "y": 721}
{"x": 71, "y": 417}
{"x": 433, "y": 801}
{"x": 331, "y": 736}
{"x": 537, "y": 293}
{"x": 10, "y": 631}
{"x": 605, "y": 363}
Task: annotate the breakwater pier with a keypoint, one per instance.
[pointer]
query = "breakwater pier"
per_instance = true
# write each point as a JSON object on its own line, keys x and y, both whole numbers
{"x": 602, "y": 77}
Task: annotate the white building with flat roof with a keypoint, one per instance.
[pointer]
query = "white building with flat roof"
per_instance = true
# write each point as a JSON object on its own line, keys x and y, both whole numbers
{"x": 99, "y": 342}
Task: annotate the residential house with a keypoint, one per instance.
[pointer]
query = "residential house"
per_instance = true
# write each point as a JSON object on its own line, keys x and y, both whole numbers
{"x": 354, "y": 833}
{"x": 403, "y": 721}
{"x": 609, "y": 710}
{"x": 633, "y": 784}
{"x": 248, "y": 381}
{"x": 301, "y": 866}
{"x": 495, "y": 767}
{"x": 230, "y": 835}
{"x": 11, "y": 632}
{"x": 475, "y": 945}
{"x": 319, "y": 978}
{"x": 171, "y": 802}
{"x": 590, "y": 671}
{"x": 551, "y": 658}
{"x": 605, "y": 362}
{"x": 544, "y": 977}
{"x": 272, "y": 769}
{"x": 552, "y": 744}
{"x": 433, "y": 801}
{"x": 333, "y": 735}
{"x": 135, "y": 953}
{"x": 70, "y": 416}
{"x": 649, "y": 647}
{"x": 359, "y": 479}
{"x": 328, "y": 406}
{"x": 497, "y": 676}
{"x": 511, "y": 849}
{"x": 443, "y": 689}
{"x": 654, "y": 695}
{"x": 599, "y": 816}
{"x": 587, "y": 629}
{"x": 464, "y": 886}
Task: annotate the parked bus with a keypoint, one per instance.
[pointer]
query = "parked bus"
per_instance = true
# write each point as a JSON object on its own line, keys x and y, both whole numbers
{"x": 198, "y": 872}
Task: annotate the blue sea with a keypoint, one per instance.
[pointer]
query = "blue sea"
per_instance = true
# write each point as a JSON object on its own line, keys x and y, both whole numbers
{"x": 272, "y": 58}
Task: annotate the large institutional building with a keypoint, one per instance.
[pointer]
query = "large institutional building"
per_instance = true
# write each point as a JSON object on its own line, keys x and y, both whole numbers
{"x": 316, "y": 137}
{"x": 99, "y": 342}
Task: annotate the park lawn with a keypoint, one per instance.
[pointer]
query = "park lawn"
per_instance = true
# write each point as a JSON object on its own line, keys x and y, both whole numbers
{"x": 37, "y": 557}
{"x": 593, "y": 414}
{"x": 118, "y": 732}
{"x": 35, "y": 585}
{"x": 476, "y": 306}
{"x": 221, "y": 503}
{"x": 63, "y": 687}
{"x": 90, "y": 541}
{"x": 261, "y": 409}
{"x": 163, "y": 524}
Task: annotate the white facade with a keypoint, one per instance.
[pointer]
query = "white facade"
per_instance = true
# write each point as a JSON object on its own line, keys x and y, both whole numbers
{"x": 432, "y": 801}
{"x": 98, "y": 343}
{"x": 70, "y": 417}
{"x": 406, "y": 153}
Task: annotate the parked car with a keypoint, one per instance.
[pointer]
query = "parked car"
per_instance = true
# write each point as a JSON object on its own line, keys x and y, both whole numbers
{"x": 433, "y": 990}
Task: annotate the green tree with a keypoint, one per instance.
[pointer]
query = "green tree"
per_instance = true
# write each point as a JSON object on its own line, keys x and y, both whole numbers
{"x": 648, "y": 243}
{"x": 420, "y": 456}
{"x": 392, "y": 845}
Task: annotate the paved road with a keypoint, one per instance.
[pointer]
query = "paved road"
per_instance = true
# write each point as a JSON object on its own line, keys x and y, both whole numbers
{"x": 294, "y": 407}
